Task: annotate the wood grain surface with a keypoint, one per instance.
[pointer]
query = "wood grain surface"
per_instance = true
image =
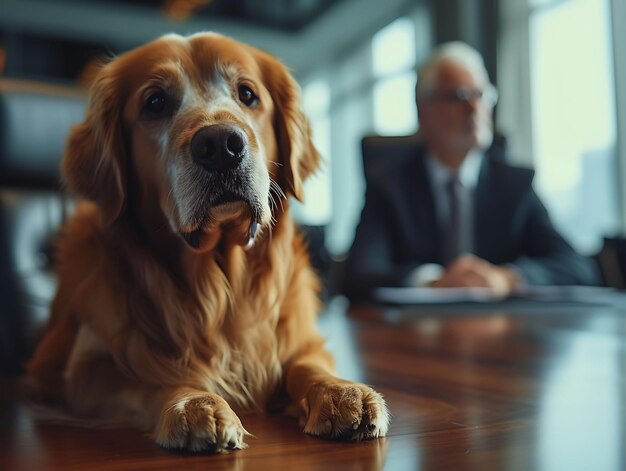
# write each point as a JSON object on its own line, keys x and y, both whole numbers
{"x": 484, "y": 388}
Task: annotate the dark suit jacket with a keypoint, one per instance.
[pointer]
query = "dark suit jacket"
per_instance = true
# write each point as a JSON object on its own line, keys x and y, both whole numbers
{"x": 398, "y": 230}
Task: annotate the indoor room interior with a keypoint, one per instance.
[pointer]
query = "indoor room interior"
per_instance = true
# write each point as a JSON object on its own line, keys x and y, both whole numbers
{"x": 531, "y": 380}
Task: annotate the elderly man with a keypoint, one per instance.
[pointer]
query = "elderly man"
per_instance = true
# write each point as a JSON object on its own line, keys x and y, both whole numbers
{"x": 444, "y": 209}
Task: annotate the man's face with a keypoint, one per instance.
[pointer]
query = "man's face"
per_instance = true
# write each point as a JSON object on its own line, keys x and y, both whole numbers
{"x": 447, "y": 120}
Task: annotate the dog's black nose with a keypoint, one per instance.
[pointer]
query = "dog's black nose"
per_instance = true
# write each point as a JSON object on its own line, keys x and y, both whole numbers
{"x": 218, "y": 147}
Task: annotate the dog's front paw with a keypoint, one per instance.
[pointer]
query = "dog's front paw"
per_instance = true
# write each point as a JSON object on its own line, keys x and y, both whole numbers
{"x": 344, "y": 410}
{"x": 200, "y": 423}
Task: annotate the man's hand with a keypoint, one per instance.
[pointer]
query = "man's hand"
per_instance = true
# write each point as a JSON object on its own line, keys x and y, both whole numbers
{"x": 469, "y": 270}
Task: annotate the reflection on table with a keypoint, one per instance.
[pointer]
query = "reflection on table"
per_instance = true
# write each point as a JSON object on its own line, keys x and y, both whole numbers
{"x": 470, "y": 386}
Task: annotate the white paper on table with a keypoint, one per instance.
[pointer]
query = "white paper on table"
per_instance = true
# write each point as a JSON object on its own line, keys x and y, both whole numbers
{"x": 426, "y": 295}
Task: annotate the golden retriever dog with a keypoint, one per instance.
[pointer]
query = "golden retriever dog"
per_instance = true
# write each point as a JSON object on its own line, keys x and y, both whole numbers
{"x": 185, "y": 289}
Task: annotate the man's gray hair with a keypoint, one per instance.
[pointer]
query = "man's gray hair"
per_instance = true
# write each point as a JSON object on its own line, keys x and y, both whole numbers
{"x": 455, "y": 52}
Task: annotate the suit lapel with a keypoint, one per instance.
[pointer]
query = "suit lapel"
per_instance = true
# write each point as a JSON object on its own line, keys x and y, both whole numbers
{"x": 487, "y": 208}
{"x": 427, "y": 241}
{"x": 497, "y": 198}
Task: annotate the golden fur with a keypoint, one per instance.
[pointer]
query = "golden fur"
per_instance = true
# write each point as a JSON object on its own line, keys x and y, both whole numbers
{"x": 171, "y": 308}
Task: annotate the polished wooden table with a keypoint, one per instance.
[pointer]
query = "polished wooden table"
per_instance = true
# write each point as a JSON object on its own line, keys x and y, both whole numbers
{"x": 531, "y": 387}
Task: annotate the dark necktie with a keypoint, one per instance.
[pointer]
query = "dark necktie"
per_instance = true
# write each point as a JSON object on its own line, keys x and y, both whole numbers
{"x": 452, "y": 235}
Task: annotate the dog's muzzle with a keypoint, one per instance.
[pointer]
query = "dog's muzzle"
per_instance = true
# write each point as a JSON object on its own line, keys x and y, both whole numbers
{"x": 221, "y": 150}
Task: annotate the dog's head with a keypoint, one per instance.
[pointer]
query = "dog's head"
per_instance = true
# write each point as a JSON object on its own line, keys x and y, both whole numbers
{"x": 198, "y": 132}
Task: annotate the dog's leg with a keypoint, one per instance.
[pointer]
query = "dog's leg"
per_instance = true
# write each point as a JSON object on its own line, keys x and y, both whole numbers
{"x": 325, "y": 405}
{"x": 330, "y": 407}
{"x": 179, "y": 418}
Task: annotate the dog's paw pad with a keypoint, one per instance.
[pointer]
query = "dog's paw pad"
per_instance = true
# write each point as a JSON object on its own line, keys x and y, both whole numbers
{"x": 346, "y": 411}
{"x": 204, "y": 423}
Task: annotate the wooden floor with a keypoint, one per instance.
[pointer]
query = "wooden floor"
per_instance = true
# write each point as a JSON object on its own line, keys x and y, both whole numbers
{"x": 540, "y": 387}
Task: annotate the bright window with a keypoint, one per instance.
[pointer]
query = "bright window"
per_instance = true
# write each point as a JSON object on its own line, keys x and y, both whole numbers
{"x": 394, "y": 105}
{"x": 393, "y": 63}
{"x": 573, "y": 115}
{"x": 393, "y": 48}
{"x": 317, "y": 207}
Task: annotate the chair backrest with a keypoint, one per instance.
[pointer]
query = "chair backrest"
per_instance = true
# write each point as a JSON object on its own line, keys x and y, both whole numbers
{"x": 35, "y": 120}
{"x": 376, "y": 150}
{"x": 611, "y": 260}
{"x": 34, "y": 123}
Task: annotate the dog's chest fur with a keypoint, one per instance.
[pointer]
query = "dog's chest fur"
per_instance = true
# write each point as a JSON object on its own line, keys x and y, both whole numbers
{"x": 217, "y": 333}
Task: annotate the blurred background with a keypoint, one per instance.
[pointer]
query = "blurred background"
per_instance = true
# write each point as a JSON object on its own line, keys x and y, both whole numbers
{"x": 559, "y": 66}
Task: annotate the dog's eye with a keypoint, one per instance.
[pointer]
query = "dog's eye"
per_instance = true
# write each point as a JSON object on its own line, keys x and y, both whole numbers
{"x": 156, "y": 104}
{"x": 247, "y": 96}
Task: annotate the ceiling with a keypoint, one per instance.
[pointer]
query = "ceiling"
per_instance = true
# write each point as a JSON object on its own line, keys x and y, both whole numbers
{"x": 305, "y": 34}
{"x": 286, "y": 15}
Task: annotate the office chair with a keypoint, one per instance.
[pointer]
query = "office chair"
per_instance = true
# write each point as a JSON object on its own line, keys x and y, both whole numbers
{"x": 35, "y": 120}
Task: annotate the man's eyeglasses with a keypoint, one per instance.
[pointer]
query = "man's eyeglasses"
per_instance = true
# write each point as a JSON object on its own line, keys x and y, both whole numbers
{"x": 488, "y": 95}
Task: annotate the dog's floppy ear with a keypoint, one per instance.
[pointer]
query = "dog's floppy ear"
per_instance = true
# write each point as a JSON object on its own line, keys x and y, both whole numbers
{"x": 297, "y": 153}
{"x": 93, "y": 165}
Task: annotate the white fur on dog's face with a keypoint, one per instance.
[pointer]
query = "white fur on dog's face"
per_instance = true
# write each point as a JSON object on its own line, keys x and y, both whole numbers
{"x": 195, "y": 93}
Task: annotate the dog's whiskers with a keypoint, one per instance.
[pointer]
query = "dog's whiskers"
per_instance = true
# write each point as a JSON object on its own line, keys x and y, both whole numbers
{"x": 272, "y": 201}
{"x": 275, "y": 188}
